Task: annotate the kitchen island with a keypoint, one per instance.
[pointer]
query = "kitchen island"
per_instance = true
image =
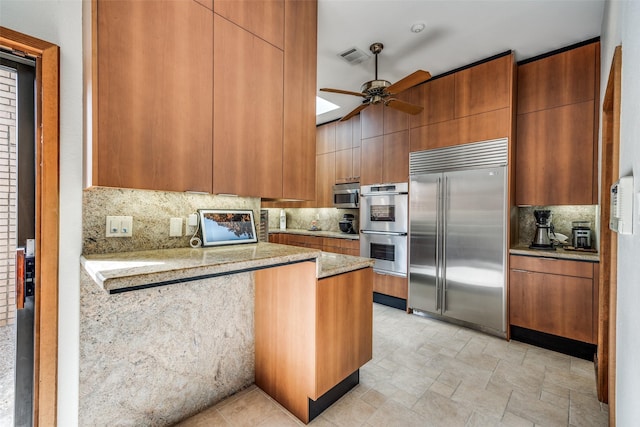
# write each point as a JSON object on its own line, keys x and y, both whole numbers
{"x": 167, "y": 333}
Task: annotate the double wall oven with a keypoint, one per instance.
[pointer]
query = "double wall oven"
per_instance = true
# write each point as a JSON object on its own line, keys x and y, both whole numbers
{"x": 384, "y": 217}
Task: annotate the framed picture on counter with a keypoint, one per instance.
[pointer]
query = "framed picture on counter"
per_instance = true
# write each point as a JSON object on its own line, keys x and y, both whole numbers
{"x": 227, "y": 227}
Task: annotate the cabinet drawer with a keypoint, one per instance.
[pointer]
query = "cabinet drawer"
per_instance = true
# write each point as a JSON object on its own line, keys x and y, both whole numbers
{"x": 552, "y": 266}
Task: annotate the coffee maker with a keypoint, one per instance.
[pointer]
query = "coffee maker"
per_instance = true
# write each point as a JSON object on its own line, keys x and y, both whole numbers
{"x": 541, "y": 240}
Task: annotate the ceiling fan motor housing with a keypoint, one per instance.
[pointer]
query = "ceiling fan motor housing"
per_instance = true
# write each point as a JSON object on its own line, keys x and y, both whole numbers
{"x": 377, "y": 89}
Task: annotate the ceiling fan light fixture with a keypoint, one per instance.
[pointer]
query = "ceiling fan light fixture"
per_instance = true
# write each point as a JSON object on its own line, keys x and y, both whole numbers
{"x": 417, "y": 27}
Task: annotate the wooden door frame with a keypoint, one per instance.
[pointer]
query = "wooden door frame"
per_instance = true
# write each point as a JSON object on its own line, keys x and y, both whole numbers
{"x": 47, "y": 56}
{"x": 606, "y": 357}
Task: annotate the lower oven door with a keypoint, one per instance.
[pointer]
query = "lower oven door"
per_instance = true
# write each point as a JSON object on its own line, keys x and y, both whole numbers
{"x": 388, "y": 249}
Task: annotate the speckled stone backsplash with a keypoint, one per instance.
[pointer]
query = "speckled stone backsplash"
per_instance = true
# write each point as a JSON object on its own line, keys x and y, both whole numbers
{"x": 151, "y": 212}
{"x": 300, "y": 218}
{"x": 561, "y": 218}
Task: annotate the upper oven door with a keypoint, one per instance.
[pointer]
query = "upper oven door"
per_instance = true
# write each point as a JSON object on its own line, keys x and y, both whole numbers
{"x": 385, "y": 212}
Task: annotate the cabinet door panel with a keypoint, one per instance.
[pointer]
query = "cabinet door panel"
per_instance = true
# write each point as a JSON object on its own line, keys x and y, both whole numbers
{"x": 482, "y": 127}
{"x": 326, "y": 138}
{"x": 554, "y": 156}
{"x": 344, "y": 135}
{"x": 436, "y": 97}
{"x": 344, "y": 166}
{"x": 325, "y": 176}
{"x": 154, "y": 107}
{"x": 484, "y": 87}
{"x": 561, "y": 79}
{"x": 299, "y": 139}
{"x": 394, "y": 120}
{"x": 371, "y": 121}
{"x": 344, "y": 334}
{"x": 371, "y": 160}
{"x": 437, "y": 135}
{"x": 395, "y": 160}
{"x": 264, "y": 18}
{"x": 248, "y": 111}
{"x": 558, "y": 305}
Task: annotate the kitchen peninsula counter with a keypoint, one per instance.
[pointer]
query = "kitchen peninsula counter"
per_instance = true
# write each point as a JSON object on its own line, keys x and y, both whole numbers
{"x": 198, "y": 326}
{"x": 559, "y": 253}
{"x": 127, "y": 271}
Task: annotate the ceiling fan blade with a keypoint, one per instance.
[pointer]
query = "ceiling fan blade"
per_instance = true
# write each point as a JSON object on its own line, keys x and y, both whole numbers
{"x": 405, "y": 107}
{"x": 411, "y": 80}
{"x": 345, "y": 92}
{"x": 354, "y": 112}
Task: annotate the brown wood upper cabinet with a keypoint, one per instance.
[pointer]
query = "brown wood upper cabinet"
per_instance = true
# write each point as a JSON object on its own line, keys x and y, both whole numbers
{"x": 264, "y": 18}
{"x": 385, "y": 159}
{"x": 436, "y": 97}
{"x": 484, "y": 87}
{"x": 557, "y": 80}
{"x": 557, "y": 129}
{"x": 348, "y": 151}
{"x": 153, "y": 77}
{"x": 240, "y": 96}
{"x": 161, "y": 122}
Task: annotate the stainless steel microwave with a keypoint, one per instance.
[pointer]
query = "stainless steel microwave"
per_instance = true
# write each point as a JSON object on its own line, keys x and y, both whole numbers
{"x": 346, "y": 195}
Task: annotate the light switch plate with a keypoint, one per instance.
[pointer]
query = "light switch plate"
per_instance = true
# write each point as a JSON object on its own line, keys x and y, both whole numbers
{"x": 119, "y": 226}
{"x": 175, "y": 227}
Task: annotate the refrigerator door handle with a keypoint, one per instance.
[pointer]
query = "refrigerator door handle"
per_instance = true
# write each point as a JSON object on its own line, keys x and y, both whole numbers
{"x": 445, "y": 212}
{"x": 438, "y": 257}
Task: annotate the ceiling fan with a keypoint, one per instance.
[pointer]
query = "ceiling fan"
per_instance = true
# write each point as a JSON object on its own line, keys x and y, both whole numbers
{"x": 381, "y": 91}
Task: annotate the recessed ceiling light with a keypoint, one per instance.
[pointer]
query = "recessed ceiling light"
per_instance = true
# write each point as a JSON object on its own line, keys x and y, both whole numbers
{"x": 416, "y": 28}
{"x": 324, "y": 106}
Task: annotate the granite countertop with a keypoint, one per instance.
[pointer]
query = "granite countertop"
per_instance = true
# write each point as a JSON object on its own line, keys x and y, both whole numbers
{"x": 559, "y": 253}
{"x": 332, "y": 264}
{"x": 125, "y": 271}
{"x": 320, "y": 233}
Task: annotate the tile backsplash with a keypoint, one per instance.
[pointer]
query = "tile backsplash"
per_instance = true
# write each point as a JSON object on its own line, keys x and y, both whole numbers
{"x": 561, "y": 218}
{"x": 151, "y": 212}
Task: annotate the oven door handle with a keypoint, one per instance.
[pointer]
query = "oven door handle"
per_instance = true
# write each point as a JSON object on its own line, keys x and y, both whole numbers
{"x": 383, "y": 233}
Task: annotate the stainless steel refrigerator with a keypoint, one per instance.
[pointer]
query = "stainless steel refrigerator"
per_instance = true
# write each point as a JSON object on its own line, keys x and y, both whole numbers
{"x": 457, "y": 234}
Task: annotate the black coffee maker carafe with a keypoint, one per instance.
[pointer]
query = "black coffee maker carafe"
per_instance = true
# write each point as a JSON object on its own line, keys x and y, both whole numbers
{"x": 541, "y": 240}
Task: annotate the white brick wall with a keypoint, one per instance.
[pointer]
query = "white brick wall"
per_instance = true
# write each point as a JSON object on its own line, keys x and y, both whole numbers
{"x": 7, "y": 196}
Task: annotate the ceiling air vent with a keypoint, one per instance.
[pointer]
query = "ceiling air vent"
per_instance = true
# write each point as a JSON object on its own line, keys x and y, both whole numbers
{"x": 354, "y": 55}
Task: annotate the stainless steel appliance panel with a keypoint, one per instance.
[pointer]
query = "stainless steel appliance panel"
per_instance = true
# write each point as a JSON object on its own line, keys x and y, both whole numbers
{"x": 384, "y": 211}
{"x": 424, "y": 211}
{"x": 388, "y": 249}
{"x": 346, "y": 196}
{"x": 474, "y": 236}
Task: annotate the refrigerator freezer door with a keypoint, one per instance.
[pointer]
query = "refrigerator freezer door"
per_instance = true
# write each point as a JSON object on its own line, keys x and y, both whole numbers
{"x": 474, "y": 246}
{"x": 424, "y": 211}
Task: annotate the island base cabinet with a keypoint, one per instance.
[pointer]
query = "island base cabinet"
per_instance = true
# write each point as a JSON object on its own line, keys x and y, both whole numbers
{"x": 309, "y": 340}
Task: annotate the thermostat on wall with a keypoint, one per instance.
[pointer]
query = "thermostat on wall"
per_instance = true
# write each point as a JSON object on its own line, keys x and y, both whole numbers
{"x": 622, "y": 206}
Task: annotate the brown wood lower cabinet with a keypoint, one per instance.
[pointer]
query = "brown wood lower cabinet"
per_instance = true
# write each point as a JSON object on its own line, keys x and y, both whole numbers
{"x": 327, "y": 244}
{"x": 309, "y": 341}
{"x": 558, "y": 297}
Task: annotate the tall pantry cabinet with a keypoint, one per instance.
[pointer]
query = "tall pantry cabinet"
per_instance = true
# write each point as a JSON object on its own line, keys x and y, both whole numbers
{"x": 202, "y": 95}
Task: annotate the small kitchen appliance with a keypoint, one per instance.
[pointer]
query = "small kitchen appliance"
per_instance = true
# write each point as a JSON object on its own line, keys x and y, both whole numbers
{"x": 348, "y": 224}
{"x": 541, "y": 239}
{"x": 581, "y": 234}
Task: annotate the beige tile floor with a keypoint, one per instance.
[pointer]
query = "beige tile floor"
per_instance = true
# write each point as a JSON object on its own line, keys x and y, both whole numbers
{"x": 428, "y": 373}
{"x": 7, "y": 370}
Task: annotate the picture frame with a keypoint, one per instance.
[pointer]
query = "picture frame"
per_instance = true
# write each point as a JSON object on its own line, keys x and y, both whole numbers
{"x": 227, "y": 227}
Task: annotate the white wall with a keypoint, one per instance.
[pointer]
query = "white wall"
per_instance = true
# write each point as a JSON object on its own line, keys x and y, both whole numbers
{"x": 621, "y": 25}
{"x": 60, "y": 22}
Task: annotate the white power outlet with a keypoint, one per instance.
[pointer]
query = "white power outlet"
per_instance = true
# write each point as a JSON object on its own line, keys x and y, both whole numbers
{"x": 119, "y": 226}
{"x": 175, "y": 227}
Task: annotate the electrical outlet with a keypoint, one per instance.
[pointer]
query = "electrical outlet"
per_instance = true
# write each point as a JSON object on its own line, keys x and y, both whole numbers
{"x": 119, "y": 226}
